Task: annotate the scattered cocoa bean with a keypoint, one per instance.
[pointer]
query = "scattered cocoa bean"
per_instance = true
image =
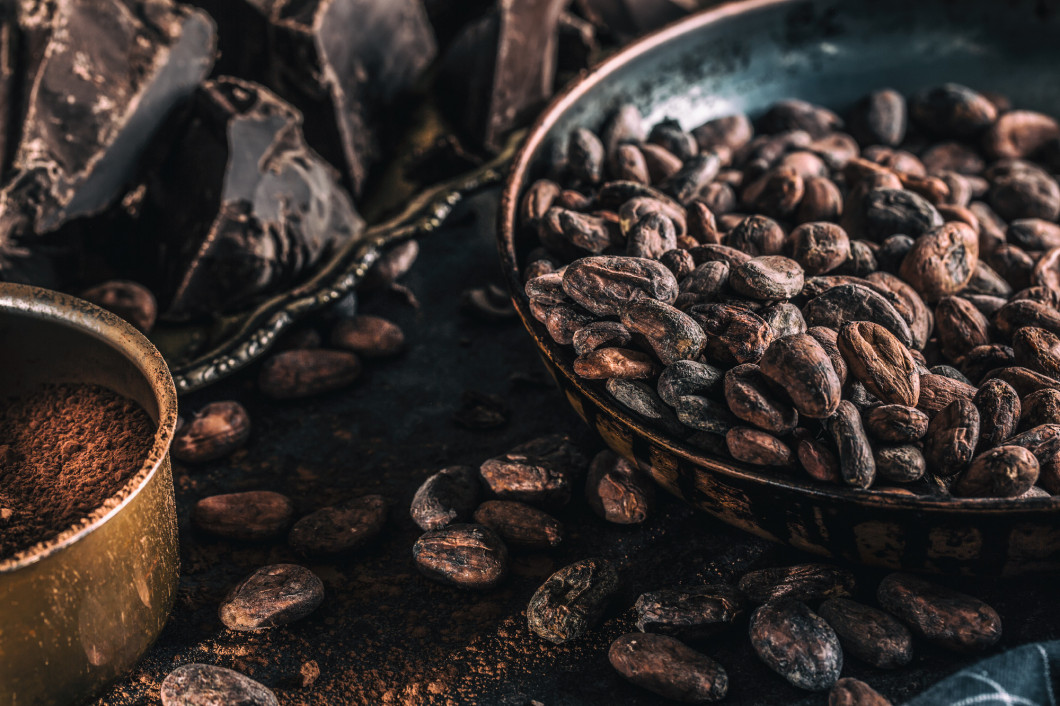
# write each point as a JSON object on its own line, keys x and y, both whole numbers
{"x": 466, "y": 556}
{"x": 572, "y": 600}
{"x": 272, "y": 596}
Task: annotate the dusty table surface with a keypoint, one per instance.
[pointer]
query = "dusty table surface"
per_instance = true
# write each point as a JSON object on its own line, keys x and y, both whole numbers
{"x": 385, "y": 634}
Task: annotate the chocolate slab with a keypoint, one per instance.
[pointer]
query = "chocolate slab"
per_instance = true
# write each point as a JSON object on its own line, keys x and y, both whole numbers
{"x": 110, "y": 73}
{"x": 345, "y": 63}
{"x": 242, "y": 206}
{"x": 500, "y": 71}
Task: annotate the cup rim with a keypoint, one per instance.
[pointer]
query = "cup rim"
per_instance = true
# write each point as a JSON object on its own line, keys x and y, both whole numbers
{"x": 89, "y": 319}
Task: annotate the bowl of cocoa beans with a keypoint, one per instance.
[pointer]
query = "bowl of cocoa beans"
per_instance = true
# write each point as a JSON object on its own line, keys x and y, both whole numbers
{"x": 800, "y": 260}
{"x": 88, "y": 526}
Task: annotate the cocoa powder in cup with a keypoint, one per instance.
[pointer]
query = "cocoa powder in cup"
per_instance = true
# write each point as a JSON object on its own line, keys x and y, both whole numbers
{"x": 64, "y": 450}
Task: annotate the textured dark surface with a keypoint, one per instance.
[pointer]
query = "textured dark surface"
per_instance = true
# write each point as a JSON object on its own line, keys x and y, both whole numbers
{"x": 386, "y": 635}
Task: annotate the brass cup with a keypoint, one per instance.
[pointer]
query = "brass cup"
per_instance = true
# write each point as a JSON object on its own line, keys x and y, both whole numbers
{"x": 80, "y": 609}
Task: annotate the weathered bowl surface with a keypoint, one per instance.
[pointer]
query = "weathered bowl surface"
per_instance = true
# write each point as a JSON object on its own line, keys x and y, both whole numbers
{"x": 741, "y": 57}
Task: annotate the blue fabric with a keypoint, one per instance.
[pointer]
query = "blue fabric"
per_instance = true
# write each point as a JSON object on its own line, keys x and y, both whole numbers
{"x": 1024, "y": 676}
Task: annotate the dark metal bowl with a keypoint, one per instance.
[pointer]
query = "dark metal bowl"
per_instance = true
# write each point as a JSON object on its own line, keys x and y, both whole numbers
{"x": 741, "y": 57}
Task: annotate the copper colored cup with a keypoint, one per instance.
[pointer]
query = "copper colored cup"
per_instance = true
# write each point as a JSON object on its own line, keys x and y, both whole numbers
{"x": 80, "y": 609}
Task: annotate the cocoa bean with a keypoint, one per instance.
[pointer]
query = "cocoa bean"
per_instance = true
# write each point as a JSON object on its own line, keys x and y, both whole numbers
{"x": 803, "y": 582}
{"x": 272, "y": 596}
{"x": 689, "y": 612}
{"x": 668, "y": 667}
{"x": 304, "y": 373}
{"x": 368, "y": 336}
{"x": 213, "y": 432}
{"x": 257, "y": 514}
{"x": 572, "y": 600}
{"x": 342, "y": 528}
{"x": 131, "y": 301}
{"x": 206, "y": 685}
{"x": 900, "y": 464}
{"x": 896, "y": 423}
{"x": 520, "y": 525}
{"x": 797, "y": 644}
{"x": 1002, "y": 472}
{"x": 999, "y": 412}
{"x": 748, "y": 396}
{"x": 876, "y": 358}
{"x": 757, "y": 447}
{"x": 446, "y": 497}
{"x": 801, "y": 366}
{"x": 868, "y": 633}
{"x": 618, "y": 491}
{"x": 466, "y": 556}
{"x": 854, "y": 692}
{"x": 856, "y": 463}
{"x": 943, "y": 616}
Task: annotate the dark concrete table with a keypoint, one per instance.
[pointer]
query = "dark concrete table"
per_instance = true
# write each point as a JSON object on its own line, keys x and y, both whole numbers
{"x": 384, "y": 634}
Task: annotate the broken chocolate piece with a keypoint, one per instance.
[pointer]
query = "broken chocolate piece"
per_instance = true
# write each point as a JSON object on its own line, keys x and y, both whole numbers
{"x": 109, "y": 74}
{"x": 242, "y": 207}
{"x": 518, "y": 41}
{"x": 344, "y": 63}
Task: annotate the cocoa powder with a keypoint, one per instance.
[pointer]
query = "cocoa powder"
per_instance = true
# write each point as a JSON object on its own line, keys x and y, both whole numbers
{"x": 64, "y": 450}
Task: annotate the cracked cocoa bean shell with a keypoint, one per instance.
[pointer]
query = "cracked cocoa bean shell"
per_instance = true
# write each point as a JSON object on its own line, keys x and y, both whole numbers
{"x": 446, "y": 497}
{"x": 946, "y": 617}
{"x": 572, "y": 600}
{"x": 463, "y": 555}
{"x": 618, "y": 491}
{"x": 691, "y": 612}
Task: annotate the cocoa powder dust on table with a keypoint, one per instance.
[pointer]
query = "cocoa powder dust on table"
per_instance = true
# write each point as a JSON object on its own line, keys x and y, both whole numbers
{"x": 64, "y": 450}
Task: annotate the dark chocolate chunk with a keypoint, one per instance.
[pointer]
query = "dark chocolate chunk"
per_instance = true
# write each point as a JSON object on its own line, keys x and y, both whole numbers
{"x": 242, "y": 206}
{"x": 104, "y": 75}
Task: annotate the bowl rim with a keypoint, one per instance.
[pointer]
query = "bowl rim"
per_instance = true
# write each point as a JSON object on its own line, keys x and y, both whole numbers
{"x": 516, "y": 180}
{"x": 91, "y": 320}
